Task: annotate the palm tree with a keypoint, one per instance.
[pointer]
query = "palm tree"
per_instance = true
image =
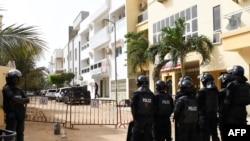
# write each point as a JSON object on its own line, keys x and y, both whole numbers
{"x": 22, "y": 45}
{"x": 177, "y": 47}
{"x": 157, "y": 51}
{"x": 137, "y": 44}
{"x": 19, "y": 41}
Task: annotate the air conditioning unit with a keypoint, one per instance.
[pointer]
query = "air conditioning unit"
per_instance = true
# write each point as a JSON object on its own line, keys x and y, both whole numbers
{"x": 234, "y": 21}
{"x": 217, "y": 37}
{"x": 161, "y": 1}
{"x": 142, "y": 6}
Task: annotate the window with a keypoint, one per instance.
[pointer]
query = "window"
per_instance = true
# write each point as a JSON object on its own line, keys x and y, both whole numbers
{"x": 154, "y": 28}
{"x": 75, "y": 54}
{"x": 69, "y": 55}
{"x": 172, "y": 21}
{"x": 190, "y": 15}
{"x": 216, "y": 18}
{"x": 194, "y": 11}
{"x": 118, "y": 51}
{"x": 216, "y": 25}
{"x": 167, "y": 22}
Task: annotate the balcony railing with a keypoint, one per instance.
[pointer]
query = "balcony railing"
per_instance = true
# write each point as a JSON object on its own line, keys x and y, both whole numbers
{"x": 143, "y": 16}
{"x": 100, "y": 68}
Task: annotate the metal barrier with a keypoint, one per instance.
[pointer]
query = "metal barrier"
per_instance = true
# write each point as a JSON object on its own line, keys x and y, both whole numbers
{"x": 40, "y": 109}
{"x": 91, "y": 112}
{"x": 7, "y": 135}
{"x": 125, "y": 115}
{"x": 99, "y": 112}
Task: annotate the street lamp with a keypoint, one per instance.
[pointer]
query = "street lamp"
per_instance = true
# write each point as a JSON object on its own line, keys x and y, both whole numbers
{"x": 113, "y": 22}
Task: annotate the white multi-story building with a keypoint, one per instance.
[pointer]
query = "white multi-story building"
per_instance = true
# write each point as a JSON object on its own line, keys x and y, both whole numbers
{"x": 96, "y": 51}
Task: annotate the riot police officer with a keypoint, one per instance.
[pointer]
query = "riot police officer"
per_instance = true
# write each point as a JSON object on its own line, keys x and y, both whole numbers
{"x": 14, "y": 100}
{"x": 142, "y": 108}
{"x": 237, "y": 97}
{"x": 164, "y": 106}
{"x": 208, "y": 106}
{"x": 186, "y": 113}
{"x": 179, "y": 93}
{"x": 225, "y": 78}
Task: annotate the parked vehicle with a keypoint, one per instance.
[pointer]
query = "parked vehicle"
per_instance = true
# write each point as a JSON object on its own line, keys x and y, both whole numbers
{"x": 51, "y": 94}
{"x": 77, "y": 94}
{"x": 60, "y": 93}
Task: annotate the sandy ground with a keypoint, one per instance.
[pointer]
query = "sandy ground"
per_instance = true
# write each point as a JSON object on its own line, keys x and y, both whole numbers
{"x": 36, "y": 131}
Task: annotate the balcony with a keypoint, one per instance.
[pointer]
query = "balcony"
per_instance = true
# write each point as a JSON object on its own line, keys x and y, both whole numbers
{"x": 100, "y": 38}
{"x": 142, "y": 23}
{"x": 103, "y": 9}
{"x": 236, "y": 40}
{"x": 100, "y": 69}
{"x": 81, "y": 16}
{"x": 238, "y": 34}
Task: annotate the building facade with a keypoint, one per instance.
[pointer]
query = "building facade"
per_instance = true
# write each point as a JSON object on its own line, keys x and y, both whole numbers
{"x": 97, "y": 52}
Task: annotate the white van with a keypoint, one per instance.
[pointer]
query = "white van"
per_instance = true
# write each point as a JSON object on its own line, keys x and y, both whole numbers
{"x": 51, "y": 94}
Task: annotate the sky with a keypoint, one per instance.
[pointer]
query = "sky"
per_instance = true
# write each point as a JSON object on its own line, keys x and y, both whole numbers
{"x": 51, "y": 17}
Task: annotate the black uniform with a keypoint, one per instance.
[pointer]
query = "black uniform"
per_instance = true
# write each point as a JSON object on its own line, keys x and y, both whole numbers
{"x": 143, "y": 112}
{"x": 208, "y": 106}
{"x": 14, "y": 100}
{"x": 164, "y": 108}
{"x": 186, "y": 115}
{"x": 225, "y": 78}
{"x": 179, "y": 94}
{"x": 237, "y": 98}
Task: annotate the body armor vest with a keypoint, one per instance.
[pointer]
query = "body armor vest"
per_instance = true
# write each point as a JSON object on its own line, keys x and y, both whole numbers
{"x": 241, "y": 94}
{"x": 190, "y": 112}
{"x": 164, "y": 107}
{"x": 145, "y": 103}
{"x": 212, "y": 102}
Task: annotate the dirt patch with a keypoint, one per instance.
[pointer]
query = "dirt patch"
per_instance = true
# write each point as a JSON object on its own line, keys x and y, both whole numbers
{"x": 37, "y": 131}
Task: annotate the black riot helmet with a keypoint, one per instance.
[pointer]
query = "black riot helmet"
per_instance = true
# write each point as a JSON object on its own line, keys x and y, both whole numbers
{"x": 187, "y": 86}
{"x": 142, "y": 80}
{"x": 236, "y": 70}
{"x": 205, "y": 78}
{"x": 186, "y": 77}
{"x": 160, "y": 86}
{"x": 226, "y": 78}
{"x": 13, "y": 76}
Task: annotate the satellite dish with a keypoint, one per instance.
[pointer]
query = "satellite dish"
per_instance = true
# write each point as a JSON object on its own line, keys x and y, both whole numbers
{"x": 234, "y": 21}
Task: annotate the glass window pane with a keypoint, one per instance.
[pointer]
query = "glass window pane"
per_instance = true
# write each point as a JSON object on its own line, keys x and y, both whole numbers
{"x": 154, "y": 28}
{"x": 182, "y": 15}
{"x": 172, "y": 21}
{"x": 188, "y": 14}
{"x": 167, "y": 22}
{"x": 154, "y": 38}
{"x": 194, "y": 25}
{"x": 163, "y": 24}
{"x": 187, "y": 27}
{"x": 194, "y": 11}
{"x": 216, "y": 18}
{"x": 177, "y": 16}
{"x": 158, "y": 26}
